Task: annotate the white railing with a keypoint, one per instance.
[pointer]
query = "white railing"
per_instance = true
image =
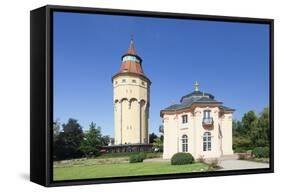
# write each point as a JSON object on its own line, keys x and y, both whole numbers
{"x": 208, "y": 121}
{"x": 183, "y": 125}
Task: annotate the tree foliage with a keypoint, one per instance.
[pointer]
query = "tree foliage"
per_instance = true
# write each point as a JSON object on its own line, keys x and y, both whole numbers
{"x": 69, "y": 140}
{"x": 92, "y": 141}
{"x": 158, "y": 143}
{"x": 252, "y": 131}
{"x": 152, "y": 137}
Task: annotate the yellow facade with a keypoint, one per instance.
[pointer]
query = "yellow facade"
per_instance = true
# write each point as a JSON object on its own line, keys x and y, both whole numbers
{"x": 131, "y": 109}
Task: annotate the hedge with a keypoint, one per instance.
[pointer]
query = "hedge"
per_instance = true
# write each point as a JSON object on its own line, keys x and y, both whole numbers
{"x": 260, "y": 152}
{"x": 182, "y": 158}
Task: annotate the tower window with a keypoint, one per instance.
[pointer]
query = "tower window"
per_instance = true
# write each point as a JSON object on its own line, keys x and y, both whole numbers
{"x": 116, "y": 82}
{"x": 134, "y": 81}
{"x": 123, "y": 80}
{"x": 143, "y": 83}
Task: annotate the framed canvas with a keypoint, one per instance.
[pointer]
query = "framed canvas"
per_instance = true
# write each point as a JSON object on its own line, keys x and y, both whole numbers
{"x": 122, "y": 95}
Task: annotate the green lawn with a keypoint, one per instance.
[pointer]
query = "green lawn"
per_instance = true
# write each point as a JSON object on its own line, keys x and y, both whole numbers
{"x": 123, "y": 169}
{"x": 128, "y": 154}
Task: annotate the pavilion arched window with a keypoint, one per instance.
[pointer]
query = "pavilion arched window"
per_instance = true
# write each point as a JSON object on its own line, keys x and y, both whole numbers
{"x": 184, "y": 140}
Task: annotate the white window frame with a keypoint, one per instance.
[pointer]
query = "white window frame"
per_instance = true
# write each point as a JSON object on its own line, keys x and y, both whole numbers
{"x": 207, "y": 141}
{"x": 184, "y": 141}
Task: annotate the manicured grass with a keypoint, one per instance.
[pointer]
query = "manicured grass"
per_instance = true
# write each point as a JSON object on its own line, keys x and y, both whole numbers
{"x": 128, "y": 154}
{"x": 108, "y": 158}
{"x": 124, "y": 169}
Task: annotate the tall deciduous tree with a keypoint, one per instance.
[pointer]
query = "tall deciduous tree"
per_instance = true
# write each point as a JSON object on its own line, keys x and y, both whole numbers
{"x": 69, "y": 140}
{"x": 253, "y": 131}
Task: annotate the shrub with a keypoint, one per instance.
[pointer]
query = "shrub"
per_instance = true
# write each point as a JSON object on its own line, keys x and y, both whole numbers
{"x": 137, "y": 158}
{"x": 182, "y": 158}
{"x": 242, "y": 156}
{"x": 213, "y": 165}
{"x": 201, "y": 159}
{"x": 142, "y": 155}
{"x": 260, "y": 152}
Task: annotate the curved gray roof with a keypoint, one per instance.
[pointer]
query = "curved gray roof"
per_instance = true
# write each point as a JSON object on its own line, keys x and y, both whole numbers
{"x": 196, "y": 97}
{"x": 197, "y": 93}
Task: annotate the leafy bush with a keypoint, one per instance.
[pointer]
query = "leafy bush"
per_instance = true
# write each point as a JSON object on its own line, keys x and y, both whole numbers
{"x": 241, "y": 144}
{"x": 260, "y": 152}
{"x": 182, "y": 158}
{"x": 137, "y": 158}
{"x": 142, "y": 155}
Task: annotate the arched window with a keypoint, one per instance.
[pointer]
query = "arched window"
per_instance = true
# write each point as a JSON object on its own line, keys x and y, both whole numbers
{"x": 207, "y": 146}
{"x": 184, "y": 141}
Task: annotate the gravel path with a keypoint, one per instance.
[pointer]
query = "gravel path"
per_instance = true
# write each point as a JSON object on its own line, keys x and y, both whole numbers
{"x": 241, "y": 164}
{"x": 226, "y": 164}
{"x": 156, "y": 160}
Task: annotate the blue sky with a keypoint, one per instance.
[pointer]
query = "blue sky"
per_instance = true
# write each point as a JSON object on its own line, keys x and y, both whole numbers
{"x": 229, "y": 60}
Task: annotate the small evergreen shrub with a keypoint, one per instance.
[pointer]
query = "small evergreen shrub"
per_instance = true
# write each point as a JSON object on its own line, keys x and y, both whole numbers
{"x": 137, "y": 158}
{"x": 260, "y": 152}
{"x": 182, "y": 158}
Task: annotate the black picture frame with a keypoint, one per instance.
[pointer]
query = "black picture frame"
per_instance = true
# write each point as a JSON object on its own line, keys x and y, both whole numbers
{"x": 41, "y": 93}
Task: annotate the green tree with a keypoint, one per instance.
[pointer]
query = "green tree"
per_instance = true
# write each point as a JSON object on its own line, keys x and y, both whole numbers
{"x": 158, "y": 143}
{"x": 152, "y": 137}
{"x": 106, "y": 140}
{"x": 249, "y": 122}
{"x": 67, "y": 145}
{"x": 260, "y": 135}
{"x": 238, "y": 129}
{"x": 56, "y": 130}
{"x": 92, "y": 141}
{"x": 253, "y": 131}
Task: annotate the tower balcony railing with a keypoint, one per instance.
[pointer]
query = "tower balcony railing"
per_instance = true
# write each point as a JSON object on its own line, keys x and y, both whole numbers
{"x": 208, "y": 122}
{"x": 184, "y": 125}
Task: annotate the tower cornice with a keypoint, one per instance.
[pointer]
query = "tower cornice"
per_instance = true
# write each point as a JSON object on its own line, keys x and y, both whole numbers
{"x": 143, "y": 77}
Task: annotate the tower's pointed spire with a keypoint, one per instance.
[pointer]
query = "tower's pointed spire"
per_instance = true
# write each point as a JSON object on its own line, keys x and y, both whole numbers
{"x": 132, "y": 49}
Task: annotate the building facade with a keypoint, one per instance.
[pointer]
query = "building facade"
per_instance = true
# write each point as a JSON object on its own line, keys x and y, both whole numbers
{"x": 199, "y": 125}
{"x": 131, "y": 94}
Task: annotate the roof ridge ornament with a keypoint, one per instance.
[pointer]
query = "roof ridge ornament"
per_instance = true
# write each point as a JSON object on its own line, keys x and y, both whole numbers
{"x": 132, "y": 49}
{"x": 196, "y": 86}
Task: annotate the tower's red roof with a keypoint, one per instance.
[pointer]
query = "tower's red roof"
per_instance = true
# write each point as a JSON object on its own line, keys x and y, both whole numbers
{"x": 129, "y": 65}
{"x": 132, "y": 64}
{"x": 132, "y": 67}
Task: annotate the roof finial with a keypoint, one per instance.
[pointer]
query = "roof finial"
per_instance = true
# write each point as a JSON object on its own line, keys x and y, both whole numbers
{"x": 132, "y": 49}
{"x": 196, "y": 86}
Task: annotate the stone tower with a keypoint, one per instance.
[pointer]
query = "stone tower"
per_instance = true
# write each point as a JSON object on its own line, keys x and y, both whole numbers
{"x": 131, "y": 93}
